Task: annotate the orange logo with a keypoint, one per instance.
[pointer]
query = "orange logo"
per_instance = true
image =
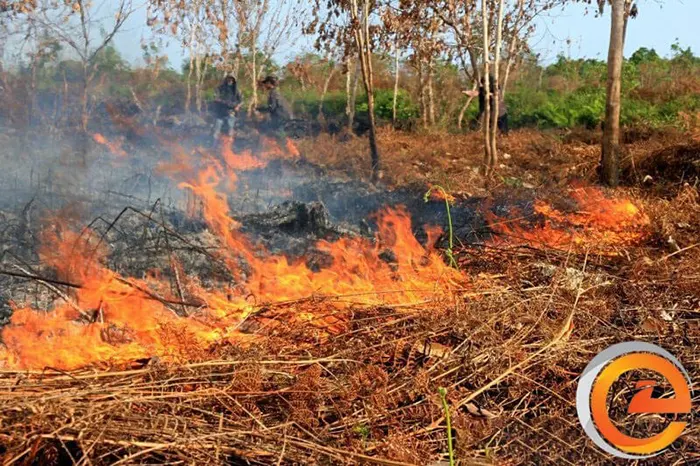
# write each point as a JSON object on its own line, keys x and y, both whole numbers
{"x": 598, "y": 378}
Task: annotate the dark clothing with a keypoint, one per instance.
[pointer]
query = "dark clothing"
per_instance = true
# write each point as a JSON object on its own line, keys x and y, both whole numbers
{"x": 279, "y": 109}
{"x": 502, "y": 117}
{"x": 502, "y": 123}
{"x": 502, "y": 108}
{"x": 228, "y": 97}
{"x": 502, "y": 120}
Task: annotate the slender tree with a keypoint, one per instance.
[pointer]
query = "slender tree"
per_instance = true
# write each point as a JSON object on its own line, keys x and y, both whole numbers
{"x": 610, "y": 154}
{"x": 347, "y": 25}
{"x": 397, "y": 69}
{"x": 360, "y": 11}
{"x": 75, "y": 25}
{"x": 486, "y": 126}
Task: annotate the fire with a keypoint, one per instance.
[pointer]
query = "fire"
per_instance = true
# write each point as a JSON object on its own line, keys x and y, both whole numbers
{"x": 111, "y": 319}
{"x": 437, "y": 193}
{"x": 598, "y": 222}
{"x": 114, "y": 147}
{"x": 271, "y": 149}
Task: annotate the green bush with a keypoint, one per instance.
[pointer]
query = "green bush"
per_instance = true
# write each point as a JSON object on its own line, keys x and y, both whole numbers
{"x": 384, "y": 104}
{"x": 306, "y": 104}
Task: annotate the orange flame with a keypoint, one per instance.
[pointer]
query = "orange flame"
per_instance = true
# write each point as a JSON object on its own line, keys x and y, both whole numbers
{"x": 113, "y": 147}
{"x": 111, "y": 319}
{"x": 597, "y": 222}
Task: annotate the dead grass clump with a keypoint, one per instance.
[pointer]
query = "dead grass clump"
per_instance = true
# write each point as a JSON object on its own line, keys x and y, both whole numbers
{"x": 674, "y": 164}
{"x": 508, "y": 350}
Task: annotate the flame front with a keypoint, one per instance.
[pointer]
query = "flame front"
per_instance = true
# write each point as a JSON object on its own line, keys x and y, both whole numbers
{"x": 111, "y": 319}
{"x": 597, "y": 222}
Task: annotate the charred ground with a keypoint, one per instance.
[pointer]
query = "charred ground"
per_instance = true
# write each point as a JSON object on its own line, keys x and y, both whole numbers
{"x": 355, "y": 383}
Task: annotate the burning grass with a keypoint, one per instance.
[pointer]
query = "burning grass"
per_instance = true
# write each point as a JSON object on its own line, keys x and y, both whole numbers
{"x": 255, "y": 357}
{"x": 370, "y": 393}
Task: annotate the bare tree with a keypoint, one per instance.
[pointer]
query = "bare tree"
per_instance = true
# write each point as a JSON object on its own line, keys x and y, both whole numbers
{"x": 347, "y": 25}
{"x": 466, "y": 22}
{"x": 329, "y": 64}
{"x": 397, "y": 69}
{"x": 414, "y": 26}
{"x": 192, "y": 25}
{"x": 360, "y": 13}
{"x": 351, "y": 77}
{"x": 622, "y": 10}
{"x": 610, "y": 158}
{"x": 492, "y": 153}
{"x": 76, "y": 25}
{"x": 77, "y": 28}
{"x": 262, "y": 27}
{"x": 243, "y": 33}
{"x": 487, "y": 86}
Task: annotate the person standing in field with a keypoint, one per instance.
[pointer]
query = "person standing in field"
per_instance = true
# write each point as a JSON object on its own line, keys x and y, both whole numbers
{"x": 277, "y": 108}
{"x": 226, "y": 105}
{"x": 502, "y": 121}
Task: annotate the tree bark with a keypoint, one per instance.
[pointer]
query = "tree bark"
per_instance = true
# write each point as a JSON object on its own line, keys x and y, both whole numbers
{"x": 362, "y": 37}
{"x": 486, "y": 125}
{"x": 326, "y": 83}
{"x": 254, "y": 78}
{"x": 422, "y": 93}
{"x": 198, "y": 82}
{"x": 188, "y": 95}
{"x": 610, "y": 158}
{"x": 348, "y": 82}
{"x": 353, "y": 95}
{"x": 431, "y": 95}
{"x": 396, "y": 83}
{"x": 84, "y": 117}
{"x": 496, "y": 92}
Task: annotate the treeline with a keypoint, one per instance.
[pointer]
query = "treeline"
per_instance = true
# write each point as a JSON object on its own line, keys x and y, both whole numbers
{"x": 657, "y": 91}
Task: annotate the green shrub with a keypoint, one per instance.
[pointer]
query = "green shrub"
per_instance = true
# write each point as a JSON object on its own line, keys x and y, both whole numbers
{"x": 384, "y": 102}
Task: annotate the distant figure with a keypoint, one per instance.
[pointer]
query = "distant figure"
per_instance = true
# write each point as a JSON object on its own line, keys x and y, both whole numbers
{"x": 226, "y": 105}
{"x": 278, "y": 109}
{"x": 502, "y": 121}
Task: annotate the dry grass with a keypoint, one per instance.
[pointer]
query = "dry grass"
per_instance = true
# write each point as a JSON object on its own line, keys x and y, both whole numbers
{"x": 509, "y": 349}
{"x": 528, "y": 157}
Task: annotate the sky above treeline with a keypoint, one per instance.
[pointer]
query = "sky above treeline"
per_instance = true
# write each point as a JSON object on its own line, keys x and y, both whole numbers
{"x": 570, "y": 32}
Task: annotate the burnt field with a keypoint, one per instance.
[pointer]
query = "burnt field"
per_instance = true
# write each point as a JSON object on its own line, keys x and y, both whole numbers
{"x": 263, "y": 303}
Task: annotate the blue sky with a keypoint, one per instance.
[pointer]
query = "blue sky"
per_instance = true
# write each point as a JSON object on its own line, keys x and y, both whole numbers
{"x": 658, "y": 26}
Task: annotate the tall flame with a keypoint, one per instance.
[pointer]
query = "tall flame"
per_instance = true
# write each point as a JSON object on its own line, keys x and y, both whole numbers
{"x": 112, "y": 319}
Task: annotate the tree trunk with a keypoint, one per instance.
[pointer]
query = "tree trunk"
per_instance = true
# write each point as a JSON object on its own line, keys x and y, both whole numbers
{"x": 254, "y": 77}
{"x": 188, "y": 96}
{"x": 509, "y": 64}
{"x": 202, "y": 80}
{"x": 353, "y": 96}
{"x": 32, "y": 97}
{"x": 84, "y": 100}
{"x": 348, "y": 82}
{"x": 610, "y": 159}
{"x": 465, "y": 107}
{"x": 362, "y": 37}
{"x": 431, "y": 96}
{"x": 198, "y": 83}
{"x": 396, "y": 83}
{"x": 326, "y": 83}
{"x": 486, "y": 125}
{"x": 236, "y": 64}
{"x": 496, "y": 92}
{"x": 422, "y": 93}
